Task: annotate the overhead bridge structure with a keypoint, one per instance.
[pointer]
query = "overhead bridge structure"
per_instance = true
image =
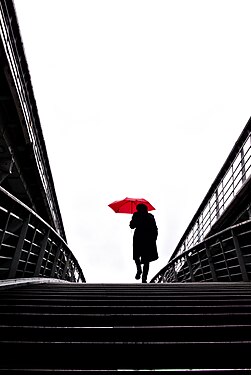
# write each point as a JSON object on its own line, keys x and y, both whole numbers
{"x": 216, "y": 245}
{"x": 193, "y": 317}
{"x": 32, "y": 236}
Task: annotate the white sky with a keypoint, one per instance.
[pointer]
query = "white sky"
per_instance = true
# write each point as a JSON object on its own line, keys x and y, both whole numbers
{"x": 137, "y": 98}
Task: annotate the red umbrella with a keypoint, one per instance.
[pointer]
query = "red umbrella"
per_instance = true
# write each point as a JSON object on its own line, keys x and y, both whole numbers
{"x": 128, "y": 205}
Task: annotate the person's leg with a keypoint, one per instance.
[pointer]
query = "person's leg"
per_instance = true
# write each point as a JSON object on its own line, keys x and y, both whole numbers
{"x": 145, "y": 272}
{"x": 139, "y": 270}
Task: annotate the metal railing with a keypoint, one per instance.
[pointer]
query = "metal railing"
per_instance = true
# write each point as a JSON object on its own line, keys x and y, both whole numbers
{"x": 10, "y": 39}
{"x": 232, "y": 177}
{"x": 29, "y": 247}
{"x": 225, "y": 256}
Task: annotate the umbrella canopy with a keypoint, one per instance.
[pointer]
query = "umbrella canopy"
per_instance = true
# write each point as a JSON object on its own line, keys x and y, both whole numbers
{"x": 128, "y": 205}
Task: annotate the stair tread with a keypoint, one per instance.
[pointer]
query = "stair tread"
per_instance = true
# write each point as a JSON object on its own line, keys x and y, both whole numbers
{"x": 117, "y": 323}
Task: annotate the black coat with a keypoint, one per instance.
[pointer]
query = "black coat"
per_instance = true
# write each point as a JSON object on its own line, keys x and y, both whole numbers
{"x": 144, "y": 237}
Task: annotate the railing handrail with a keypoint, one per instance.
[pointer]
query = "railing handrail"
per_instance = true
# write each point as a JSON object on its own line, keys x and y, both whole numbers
{"x": 216, "y": 187}
{"x": 185, "y": 255}
{"x": 46, "y": 227}
{"x": 23, "y": 86}
{"x": 32, "y": 212}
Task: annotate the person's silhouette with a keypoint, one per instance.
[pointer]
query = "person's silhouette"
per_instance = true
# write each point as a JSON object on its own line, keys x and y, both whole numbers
{"x": 144, "y": 240}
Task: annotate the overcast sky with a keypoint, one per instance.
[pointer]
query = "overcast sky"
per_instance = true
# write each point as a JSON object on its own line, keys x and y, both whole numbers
{"x": 137, "y": 98}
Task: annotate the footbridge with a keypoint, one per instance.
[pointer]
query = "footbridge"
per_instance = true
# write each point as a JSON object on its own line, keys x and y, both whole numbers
{"x": 32, "y": 236}
{"x": 216, "y": 244}
{"x": 195, "y": 314}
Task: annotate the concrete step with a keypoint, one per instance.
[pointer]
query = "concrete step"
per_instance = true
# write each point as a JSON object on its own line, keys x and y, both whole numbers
{"x": 124, "y": 372}
{"x": 118, "y": 334}
{"x": 121, "y": 319}
{"x": 126, "y": 355}
{"x": 57, "y": 328}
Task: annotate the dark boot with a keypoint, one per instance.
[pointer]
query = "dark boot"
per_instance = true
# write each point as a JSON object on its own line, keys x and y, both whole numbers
{"x": 139, "y": 270}
{"x": 145, "y": 272}
{"x": 138, "y": 274}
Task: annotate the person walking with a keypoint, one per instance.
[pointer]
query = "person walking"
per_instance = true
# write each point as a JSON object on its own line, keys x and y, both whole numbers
{"x": 144, "y": 240}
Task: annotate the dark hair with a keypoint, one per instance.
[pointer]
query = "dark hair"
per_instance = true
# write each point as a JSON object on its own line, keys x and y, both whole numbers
{"x": 141, "y": 207}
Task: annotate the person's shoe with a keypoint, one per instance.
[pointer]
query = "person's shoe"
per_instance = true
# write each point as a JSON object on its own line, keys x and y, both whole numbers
{"x": 144, "y": 281}
{"x": 138, "y": 274}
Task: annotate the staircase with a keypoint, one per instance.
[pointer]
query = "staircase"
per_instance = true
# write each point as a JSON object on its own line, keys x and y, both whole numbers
{"x": 71, "y": 328}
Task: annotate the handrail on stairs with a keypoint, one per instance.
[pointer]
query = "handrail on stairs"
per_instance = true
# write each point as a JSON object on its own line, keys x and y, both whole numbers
{"x": 29, "y": 247}
{"x": 222, "y": 257}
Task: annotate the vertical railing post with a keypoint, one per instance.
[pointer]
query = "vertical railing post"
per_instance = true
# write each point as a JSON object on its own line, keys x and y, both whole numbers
{"x": 249, "y": 212}
{"x": 41, "y": 253}
{"x": 224, "y": 257}
{"x": 232, "y": 178}
{"x": 47, "y": 259}
{"x": 73, "y": 278}
{"x": 17, "y": 254}
{"x": 223, "y": 195}
{"x": 210, "y": 261}
{"x": 66, "y": 266}
{"x": 217, "y": 206}
{"x": 189, "y": 267}
{"x": 243, "y": 169}
{"x": 53, "y": 270}
{"x": 240, "y": 257}
{"x": 174, "y": 273}
{"x": 4, "y": 230}
{"x": 198, "y": 226}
